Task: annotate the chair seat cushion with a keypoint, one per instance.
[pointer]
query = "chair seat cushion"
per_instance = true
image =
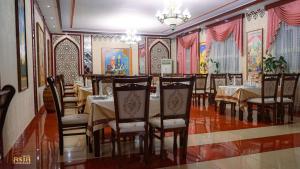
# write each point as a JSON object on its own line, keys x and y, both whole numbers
{"x": 69, "y": 87}
{"x": 128, "y": 127}
{"x": 70, "y": 99}
{"x": 199, "y": 92}
{"x": 259, "y": 100}
{"x": 69, "y": 91}
{"x": 75, "y": 119}
{"x": 285, "y": 100}
{"x": 168, "y": 124}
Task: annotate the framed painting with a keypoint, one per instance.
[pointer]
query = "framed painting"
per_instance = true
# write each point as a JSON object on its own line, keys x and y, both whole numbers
{"x": 203, "y": 59}
{"x": 116, "y": 61}
{"x": 40, "y": 56}
{"x": 254, "y": 54}
{"x": 142, "y": 59}
{"x": 21, "y": 45}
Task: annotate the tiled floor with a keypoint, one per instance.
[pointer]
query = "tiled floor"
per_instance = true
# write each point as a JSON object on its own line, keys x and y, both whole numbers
{"x": 215, "y": 142}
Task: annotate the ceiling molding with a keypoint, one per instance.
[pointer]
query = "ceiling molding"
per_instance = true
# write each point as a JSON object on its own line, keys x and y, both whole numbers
{"x": 72, "y": 13}
{"x": 217, "y": 16}
{"x": 278, "y": 3}
{"x": 59, "y": 13}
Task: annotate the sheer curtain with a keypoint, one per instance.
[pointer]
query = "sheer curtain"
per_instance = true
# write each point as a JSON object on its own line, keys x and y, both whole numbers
{"x": 227, "y": 54}
{"x": 287, "y": 44}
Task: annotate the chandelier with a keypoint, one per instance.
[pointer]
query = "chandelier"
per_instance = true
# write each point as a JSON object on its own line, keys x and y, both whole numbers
{"x": 130, "y": 37}
{"x": 172, "y": 14}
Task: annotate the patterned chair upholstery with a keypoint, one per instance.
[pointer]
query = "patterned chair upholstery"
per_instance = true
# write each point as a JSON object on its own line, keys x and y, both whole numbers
{"x": 287, "y": 96}
{"x": 175, "y": 96}
{"x": 131, "y": 99}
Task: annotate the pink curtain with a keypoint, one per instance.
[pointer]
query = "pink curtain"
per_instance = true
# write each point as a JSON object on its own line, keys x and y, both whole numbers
{"x": 288, "y": 13}
{"x": 188, "y": 41}
{"x": 223, "y": 31}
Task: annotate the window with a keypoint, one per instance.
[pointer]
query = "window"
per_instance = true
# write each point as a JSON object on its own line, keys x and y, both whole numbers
{"x": 287, "y": 44}
{"x": 227, "y": 54}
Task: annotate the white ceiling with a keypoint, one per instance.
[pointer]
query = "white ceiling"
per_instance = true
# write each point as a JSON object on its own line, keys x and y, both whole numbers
{"x": 115, "y": 16}
{"x": 50, "y": 13}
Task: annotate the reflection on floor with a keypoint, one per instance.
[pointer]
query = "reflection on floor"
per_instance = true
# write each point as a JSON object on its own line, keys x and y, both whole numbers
{"x": 215, "y": 141}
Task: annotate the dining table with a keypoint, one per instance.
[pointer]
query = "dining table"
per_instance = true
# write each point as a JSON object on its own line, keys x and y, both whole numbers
{"x": 238, "y": 95}
{"x": 101, "y": 110}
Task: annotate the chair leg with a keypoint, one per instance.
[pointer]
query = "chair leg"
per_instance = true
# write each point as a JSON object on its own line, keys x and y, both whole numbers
{"x": 250, "y": 113}
{"x": 203, "y": 100}
{"x": 61, "y": 145}
{"x": 113, "y": 137}
{"x": 151, "y": 134}
{"x": 146, "y": 152}
{"x": 175, "y": 145}
{"x": 119, "y": 145}
{"x": 291, "y": 113}
{"x": 184, "y": 140}
{"x": 162, "y": 143}
{"x": 141, "y": 144}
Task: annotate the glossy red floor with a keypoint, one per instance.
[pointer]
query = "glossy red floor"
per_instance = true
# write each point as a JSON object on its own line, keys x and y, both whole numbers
{"x": 40, "y": 142}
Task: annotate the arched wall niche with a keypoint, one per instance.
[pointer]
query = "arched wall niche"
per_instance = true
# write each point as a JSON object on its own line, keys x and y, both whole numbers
{"x": 66, "y": 59}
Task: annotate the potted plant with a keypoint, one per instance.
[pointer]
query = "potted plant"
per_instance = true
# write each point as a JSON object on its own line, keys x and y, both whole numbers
{"x": 216, "y": 66}
{"x": 273, "y": 65}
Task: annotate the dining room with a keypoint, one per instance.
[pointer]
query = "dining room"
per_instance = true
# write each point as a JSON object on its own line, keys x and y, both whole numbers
{"x": 150, "y": 84}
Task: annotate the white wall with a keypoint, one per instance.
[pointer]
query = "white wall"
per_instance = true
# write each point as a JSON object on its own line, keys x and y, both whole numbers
{"x": 174, "y": 54}
{"x": 254, "y": 24}
{"x": 21, "y": 109}
{"x": 38, "y": 19}
{"x": 100, "y": 42}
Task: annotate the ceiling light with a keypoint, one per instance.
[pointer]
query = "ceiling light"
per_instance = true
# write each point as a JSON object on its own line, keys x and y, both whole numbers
{"x": 130, "y": 37}
{"x": 247, "y": 9}
{"x": 51, "y": 17}
{"x": 172, "y": 14}
{"x": 53, "y": 26}
{"x": 48, "y": 6}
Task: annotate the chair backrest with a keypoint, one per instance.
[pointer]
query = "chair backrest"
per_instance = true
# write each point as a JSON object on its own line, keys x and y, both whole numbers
{"x": 6, "y": 95}
{"x": 60, "y": 85}
{"x": 288, "y": 85}
{"x": 175, "y": 97}
{"x": 106, "y": 83}
{"x": 201, "y": 81}
{"x": 217, "y": 80}
{"x": 238, "y": 78}
{"x": 57, "y": 100}
{"x": 269, "y": 86}
{"x": 131, "y": 99}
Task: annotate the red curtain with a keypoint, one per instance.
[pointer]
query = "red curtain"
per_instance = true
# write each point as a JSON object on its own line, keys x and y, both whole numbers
{"x": 188, "y": 41}
{"x": 223, "y": 31}
{"x": 288, "y": 13}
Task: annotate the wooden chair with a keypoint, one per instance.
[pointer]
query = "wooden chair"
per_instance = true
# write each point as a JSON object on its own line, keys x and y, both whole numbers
{"x": 106, "y": 83}
{"x": 238, "y": 79}
{"x": 68, "y": 89}
{"x": 67, "y": 101}
{"x": 269, "y": 87}
{"x": 6, "y": 95}
{"x": 175, "y": 103}
{"x": 131, "y": 100}
{"x": 238, "y": 82}
{"x": 200, "y": 87}
{"x": 69, "y": 122}
{"x": 216, "y": 80}
{"x": 287, "y": 96}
